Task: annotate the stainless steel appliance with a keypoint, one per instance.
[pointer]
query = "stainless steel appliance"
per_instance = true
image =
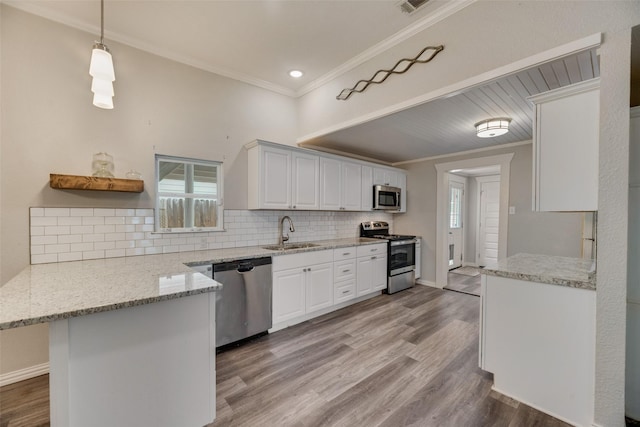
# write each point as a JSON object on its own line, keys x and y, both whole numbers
{"x": 386, "y": 198}
{"x": 401, "y": 255}
{"x": 243, "y": 306}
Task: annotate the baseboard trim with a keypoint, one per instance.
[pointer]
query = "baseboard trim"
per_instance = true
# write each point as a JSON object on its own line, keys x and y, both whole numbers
{"x": 427, "y": 283}
{"x": 24, "y": 374}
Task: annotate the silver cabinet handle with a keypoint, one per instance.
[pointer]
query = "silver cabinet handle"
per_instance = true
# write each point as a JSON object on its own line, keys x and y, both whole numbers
{"x": 346, "y": 292}
{"x": 309, "y": 269}
{"x": 374, "y": 257}
{"x": 346, "y": 253}
{"x": 374, "y": 250}
{"x": 346, "y": 271}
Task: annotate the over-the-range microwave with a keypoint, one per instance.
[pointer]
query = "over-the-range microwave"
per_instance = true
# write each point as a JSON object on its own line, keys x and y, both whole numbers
{"x": 386, "y": 198}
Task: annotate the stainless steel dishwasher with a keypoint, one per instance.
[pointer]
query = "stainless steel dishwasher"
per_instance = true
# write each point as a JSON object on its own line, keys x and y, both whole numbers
{"x": 243, "y": 307}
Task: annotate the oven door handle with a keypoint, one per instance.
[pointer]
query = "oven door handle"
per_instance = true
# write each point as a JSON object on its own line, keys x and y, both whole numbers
{"x": 402, "y": 242}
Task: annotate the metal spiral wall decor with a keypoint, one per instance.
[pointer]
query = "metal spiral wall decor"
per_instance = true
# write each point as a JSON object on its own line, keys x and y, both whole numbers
{"x": 381, "y": 75}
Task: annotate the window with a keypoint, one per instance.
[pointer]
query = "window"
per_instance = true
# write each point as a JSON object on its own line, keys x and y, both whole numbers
{"x": 455, "y": 207}
{"x": 188, "y": 194}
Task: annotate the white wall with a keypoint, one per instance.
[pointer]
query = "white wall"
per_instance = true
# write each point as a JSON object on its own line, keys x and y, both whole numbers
{"x": 529, "y": 232}
{"x": 48, "y": 125}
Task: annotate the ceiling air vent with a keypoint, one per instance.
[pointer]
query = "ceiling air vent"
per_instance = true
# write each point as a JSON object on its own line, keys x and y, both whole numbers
{"x": 410, "y": 6}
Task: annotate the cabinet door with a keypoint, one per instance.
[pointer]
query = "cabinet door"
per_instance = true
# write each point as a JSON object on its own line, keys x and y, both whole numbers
{"x": 319, "y": 284}
{"x": 288, "y": 294}
{"x": 305, "y": 180}
{"x": 351, "y": 186}
{"x": 364, "y": 276}
{"x": 401, "y": 180}
{"x": 384, "y": 177}
{"x": 379, "y": 274}
{"x": 276, "y": 178}
{"x": 330, "y": 184}
{"x": 566, "y": 136}
{"x": 367, "y": 189}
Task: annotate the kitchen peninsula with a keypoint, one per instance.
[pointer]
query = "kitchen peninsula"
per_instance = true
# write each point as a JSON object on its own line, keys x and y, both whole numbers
{"x": 132, "y": 340}
{"x": 537, "y": 332}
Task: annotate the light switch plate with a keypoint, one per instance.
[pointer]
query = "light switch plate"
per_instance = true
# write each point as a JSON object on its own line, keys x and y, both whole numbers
{"x": 512, "y": 210}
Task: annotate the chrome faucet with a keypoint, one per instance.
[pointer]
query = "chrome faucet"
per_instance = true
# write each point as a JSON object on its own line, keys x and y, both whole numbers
{"x": 281, "y": 237}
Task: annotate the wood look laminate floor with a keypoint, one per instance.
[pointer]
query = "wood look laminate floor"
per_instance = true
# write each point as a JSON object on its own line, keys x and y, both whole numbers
{"x": 408, "y": 359}
{"x": 462, "y": 283}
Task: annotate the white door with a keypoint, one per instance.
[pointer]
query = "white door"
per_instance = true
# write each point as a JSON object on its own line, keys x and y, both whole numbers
{"x": 330, "y": 184}
{"x": 379, "y": 274}
{"x": 288, "y": 294}
{"x": 456, "y": 211}
{"x": 364, "y": 275}
{"x": 319, "y": 286}
{"x": 351, "y": 186}
{"x": 305, "y": 181}
{"x": 489, "y": 217}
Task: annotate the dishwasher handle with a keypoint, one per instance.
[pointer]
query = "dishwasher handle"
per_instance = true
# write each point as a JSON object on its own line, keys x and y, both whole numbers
{"x": 245, "y": 267}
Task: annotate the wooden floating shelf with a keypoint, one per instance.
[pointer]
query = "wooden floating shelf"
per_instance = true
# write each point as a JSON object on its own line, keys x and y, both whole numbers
{"x": 75, "y": 182}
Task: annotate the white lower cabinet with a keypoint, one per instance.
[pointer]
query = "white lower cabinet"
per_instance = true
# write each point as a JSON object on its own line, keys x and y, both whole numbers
{"x": 319, "y": 286}
{"x": 309, "y": 284}
{"x": 371, "y": 269}
{"x": 288, "y": 294}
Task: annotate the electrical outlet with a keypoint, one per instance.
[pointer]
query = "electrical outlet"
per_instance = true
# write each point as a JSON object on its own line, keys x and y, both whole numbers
{"x": 512, "y": 210}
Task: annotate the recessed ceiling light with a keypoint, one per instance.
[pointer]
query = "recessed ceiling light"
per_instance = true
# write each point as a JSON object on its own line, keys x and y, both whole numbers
{"x": 296, "y": 74}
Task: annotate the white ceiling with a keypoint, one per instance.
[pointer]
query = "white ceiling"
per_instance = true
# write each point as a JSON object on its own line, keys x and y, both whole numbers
{"x": 446, "y": 125}
{"x": 257, "y": 41}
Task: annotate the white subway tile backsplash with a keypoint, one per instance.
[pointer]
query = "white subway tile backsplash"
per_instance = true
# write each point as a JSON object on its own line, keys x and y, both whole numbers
{"x": 90, "y": 233}
{"x": 92, "y": 220}
{"x": 81, "y": 247}
{"x": 44, "y": 258}
{"x": 115, "y": 220}
{"x": 56, "y": 211}
{"x": 44, "y": 240}
{"x": 44, "y": 220}
{"x": 103, "y": 212}
{"x": 70, "y": 256}
{"x": 81, "y": 211}
{"x": 92, "y": 254}
{"x": 36, "y": 212}
{"x": 69, "y": 220}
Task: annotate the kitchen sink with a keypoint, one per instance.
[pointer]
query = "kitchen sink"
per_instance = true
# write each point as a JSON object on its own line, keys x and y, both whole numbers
{"x": 290, "y": 246}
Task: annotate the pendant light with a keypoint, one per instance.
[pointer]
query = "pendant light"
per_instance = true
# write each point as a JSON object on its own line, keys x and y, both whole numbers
{"x": 492, "y": 127}
{"x": 101, "y": 69}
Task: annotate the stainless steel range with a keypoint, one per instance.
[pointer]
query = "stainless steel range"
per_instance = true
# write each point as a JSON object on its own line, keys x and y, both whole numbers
{"x": 401, "y": 255}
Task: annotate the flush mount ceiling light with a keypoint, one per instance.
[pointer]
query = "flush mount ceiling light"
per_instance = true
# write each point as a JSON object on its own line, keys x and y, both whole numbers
{"x": 101, "y": 69}
{"x": 296, "y": 74}
{"x": 492, "y": 127}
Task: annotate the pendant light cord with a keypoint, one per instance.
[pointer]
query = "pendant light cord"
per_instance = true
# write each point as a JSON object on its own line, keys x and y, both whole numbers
{"x": 102, "y": 22}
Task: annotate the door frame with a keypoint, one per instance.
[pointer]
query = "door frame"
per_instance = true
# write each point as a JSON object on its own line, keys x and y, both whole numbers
{"x": 462, "y": 180}
{"x": 442, "y": 186}
{"x": 479, "y": 181}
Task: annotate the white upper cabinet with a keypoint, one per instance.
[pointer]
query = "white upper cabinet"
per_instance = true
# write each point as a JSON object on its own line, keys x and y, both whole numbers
{"x": 304, "y": 181}
{"x": 285, "y": 178}
{"x": 281, "y": 178}
{"x": 340, "y": 185}
{"x": 565, "y": 143}
{"x": 367, "y": 188}
{"x": 269, "y": 178}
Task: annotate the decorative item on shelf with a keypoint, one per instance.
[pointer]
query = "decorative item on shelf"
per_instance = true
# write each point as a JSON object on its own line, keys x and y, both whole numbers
{"x": 101, "y": 69}
{"x": 492, "y": 127}
{"x": 102, "y": 165}
{"x": 133, "y": 174}
{"x": 381, "y": 75}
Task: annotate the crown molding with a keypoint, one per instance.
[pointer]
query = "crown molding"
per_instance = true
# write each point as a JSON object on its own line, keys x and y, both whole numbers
{"x": 144, "y": 46}
{"x": 438, "y": 15}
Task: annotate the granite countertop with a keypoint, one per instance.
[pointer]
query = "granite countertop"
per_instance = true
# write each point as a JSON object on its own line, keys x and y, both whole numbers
{"x": 47, "y": 292}
{"x": 554, "y": 270}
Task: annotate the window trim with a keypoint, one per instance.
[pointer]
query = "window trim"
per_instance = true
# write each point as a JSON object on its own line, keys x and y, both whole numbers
{"x": 219, "y": 195}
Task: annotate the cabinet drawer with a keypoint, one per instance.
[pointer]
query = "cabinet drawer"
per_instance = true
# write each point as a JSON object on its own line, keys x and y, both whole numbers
{"x": 344, "y": 291}
{"x": 364, "y": 250}
{"x": 305, "y": 259}
{"x": 344, "y": 253}
{"x": 344, "y": 270}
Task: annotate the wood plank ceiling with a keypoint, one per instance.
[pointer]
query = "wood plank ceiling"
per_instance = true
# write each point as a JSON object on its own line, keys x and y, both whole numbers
{"x": 446, "y": 125}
